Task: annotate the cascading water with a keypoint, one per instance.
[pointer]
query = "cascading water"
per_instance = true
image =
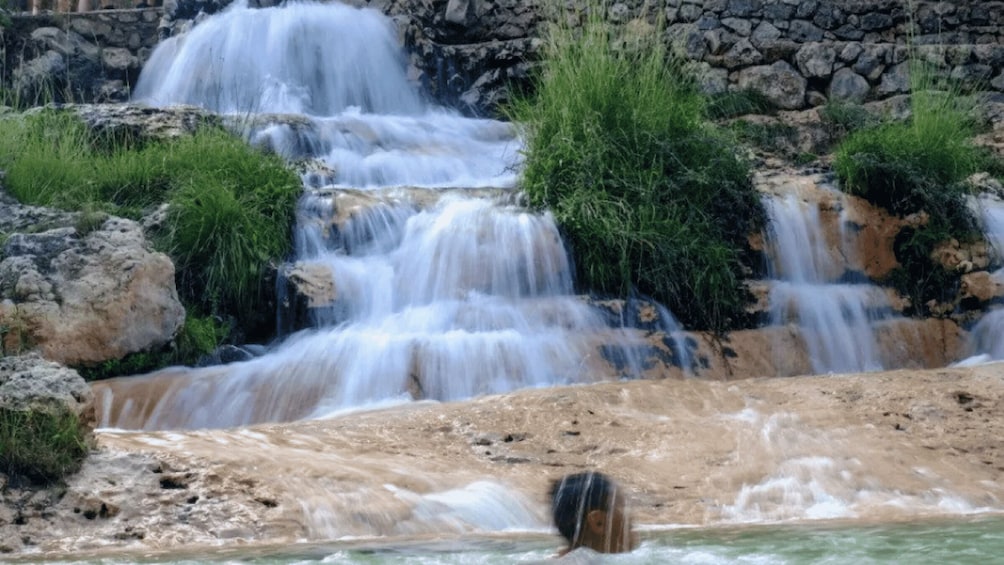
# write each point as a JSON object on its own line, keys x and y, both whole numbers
{"x": 987, "y": 336}
{"x": 835, "y": 319}
{"x": 437, "y": 294}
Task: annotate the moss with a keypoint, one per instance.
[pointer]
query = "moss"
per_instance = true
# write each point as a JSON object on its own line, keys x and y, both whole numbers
{"x": 650, "y": 196}
{"x": 40, "y": 447}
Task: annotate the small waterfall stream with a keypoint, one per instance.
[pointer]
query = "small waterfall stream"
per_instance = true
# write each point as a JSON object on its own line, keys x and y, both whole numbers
{"x": 834, "y": 316}
{"x": 987, "y": 336}
{"x": 436, "y": 294}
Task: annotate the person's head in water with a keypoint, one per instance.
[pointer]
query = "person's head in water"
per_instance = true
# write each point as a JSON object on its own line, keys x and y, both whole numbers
{"x": 590, "y": 511}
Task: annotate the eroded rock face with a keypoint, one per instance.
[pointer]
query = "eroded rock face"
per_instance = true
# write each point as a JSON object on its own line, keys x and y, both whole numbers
{"x": 84, "y": 299}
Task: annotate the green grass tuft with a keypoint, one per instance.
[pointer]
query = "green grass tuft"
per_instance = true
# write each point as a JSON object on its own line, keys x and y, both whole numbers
{"x": 739, "y": 103}
{"x": 40, "y": 447}
{"x": 650, "y": 196}
{"x": 919, "y": 165}
{"x": 907, "y": 166}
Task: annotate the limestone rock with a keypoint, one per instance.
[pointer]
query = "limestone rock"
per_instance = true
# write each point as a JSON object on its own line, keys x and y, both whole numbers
{"x": 896, "y": 80}
{"x": 30, "y": 383}
{"x": 981, "y": 286}
{"x": 84, "y": 299}
{"x": 780, "y": 83}
{"x": 134, "y": 120}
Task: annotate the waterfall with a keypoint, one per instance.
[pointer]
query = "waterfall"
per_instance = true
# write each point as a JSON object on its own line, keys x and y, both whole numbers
{"x": 835, "y": 318}
{"x": 436, "y": 294}
{"x": 987, "y": 336}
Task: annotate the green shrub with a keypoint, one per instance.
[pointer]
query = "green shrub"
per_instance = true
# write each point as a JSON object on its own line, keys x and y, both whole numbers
{"x": 231, "y": 206}
{"x": 905, "y": 166}
{"x": 39, "y": 446}
{"x": 919, "y": 165}
{"x": 650, "y": 196}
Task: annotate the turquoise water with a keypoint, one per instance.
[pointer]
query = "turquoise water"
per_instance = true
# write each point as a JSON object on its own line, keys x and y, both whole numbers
{"x": 978, "y": 540}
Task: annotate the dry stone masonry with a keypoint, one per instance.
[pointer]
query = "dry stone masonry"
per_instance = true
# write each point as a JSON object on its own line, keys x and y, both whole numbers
{"x": 86, "y": 57}
{"x": 798, "y": 53}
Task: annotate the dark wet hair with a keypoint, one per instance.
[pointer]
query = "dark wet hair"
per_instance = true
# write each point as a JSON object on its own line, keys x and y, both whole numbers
{"x": 574, "y": 496}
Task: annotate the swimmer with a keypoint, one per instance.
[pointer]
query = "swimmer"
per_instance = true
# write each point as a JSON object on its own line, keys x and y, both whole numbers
{"x": 590, "y": 511}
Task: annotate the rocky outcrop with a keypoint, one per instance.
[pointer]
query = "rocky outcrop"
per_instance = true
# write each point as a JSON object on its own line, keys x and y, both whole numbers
{"x": 38, "y": 401}
{"x": 82, "y": 298}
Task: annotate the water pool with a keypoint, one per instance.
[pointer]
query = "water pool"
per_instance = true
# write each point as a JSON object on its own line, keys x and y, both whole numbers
{"x": 969, "y": 540}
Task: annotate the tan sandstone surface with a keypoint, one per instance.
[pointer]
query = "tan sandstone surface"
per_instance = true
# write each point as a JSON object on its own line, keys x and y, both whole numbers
{"x": 893, "y": 445}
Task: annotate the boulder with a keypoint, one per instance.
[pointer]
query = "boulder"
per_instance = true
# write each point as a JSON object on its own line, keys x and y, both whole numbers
{"x": 848, "y": 86}
{"x": 816, "y": 60}
{"x": 780, "y": 83}
{"x": 29, "y": 383}
{"x": 83, "y": 299}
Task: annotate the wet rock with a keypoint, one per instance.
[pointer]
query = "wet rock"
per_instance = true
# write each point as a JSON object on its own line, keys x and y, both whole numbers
{"x": 981, "y": 287}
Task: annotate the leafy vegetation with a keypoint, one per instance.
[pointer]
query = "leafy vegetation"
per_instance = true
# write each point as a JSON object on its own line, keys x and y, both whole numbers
{"x": 39, "y": 446}
{"x": 230, "y": 206}
{"x": 650, "y": 195}
{"x": 919, "y": 165}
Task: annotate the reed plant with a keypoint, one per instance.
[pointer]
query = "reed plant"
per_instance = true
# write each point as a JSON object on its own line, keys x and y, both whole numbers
{"x": 650, "y": 196}
{"x": 231, "y": 207}
{"x": 39, "y": 446}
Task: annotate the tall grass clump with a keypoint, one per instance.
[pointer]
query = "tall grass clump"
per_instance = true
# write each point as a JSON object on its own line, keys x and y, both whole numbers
{"x": 649, "y": 195}
{"x": 919, "y": 165}
{"x": 907, "y": 166}
{"x": 40, "y": 446}
{"x": 231, "y": 207}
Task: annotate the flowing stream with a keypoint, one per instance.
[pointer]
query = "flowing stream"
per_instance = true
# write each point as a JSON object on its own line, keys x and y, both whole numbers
{"x": 987, "y": 336}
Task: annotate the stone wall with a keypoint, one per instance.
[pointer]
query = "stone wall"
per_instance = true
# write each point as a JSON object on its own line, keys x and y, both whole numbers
{"x": 466, "y": 53}
{"x": 802, "y": 53}
{"x": 799, "y": 53}
{"x": 83, "y": 57}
